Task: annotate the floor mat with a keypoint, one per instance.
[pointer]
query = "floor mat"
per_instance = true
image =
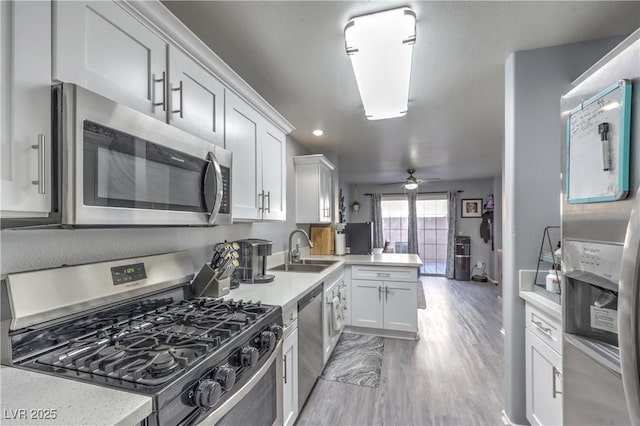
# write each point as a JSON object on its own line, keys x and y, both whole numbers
{"x": 422, "y": 302}
{"x": 357, "y": 360}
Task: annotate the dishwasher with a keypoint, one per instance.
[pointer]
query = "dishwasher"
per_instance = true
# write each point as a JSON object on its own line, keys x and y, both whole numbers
{"x": 310, "y": 353}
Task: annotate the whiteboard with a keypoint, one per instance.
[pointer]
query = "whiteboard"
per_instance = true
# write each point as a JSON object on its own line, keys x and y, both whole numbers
{"x": 598, "y": 170}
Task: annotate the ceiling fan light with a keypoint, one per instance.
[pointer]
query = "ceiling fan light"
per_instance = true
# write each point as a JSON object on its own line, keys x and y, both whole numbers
{"x": 380, "y": 46}
{"x": 410, "y": 186}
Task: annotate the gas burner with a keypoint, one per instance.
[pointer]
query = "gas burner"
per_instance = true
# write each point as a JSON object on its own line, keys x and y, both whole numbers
{"x": 154, "y": 346}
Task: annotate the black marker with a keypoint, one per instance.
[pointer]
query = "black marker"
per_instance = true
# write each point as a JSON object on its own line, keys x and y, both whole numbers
{"x": 603, "y": 131}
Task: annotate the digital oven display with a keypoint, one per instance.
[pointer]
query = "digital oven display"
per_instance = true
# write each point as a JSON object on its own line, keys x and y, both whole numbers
{"x": 128, "y": 273}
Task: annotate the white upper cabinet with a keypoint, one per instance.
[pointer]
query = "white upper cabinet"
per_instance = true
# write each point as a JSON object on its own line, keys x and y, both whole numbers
{"x": 196, "y": 98}
{"x": 100, "y": 46}
{"x": 314, "y": 189}
{"x": 259, "y": 172}
{"x": 274, "y": 171}
{"x": 241, "y": 123}
{"x": 25, "y": 108}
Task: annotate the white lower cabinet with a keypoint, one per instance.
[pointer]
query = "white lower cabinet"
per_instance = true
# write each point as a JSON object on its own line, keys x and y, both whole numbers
{"x": 386, "y": 299}
{"x": 543, "y": 380}
{"x": 25, "y": 108}
{"x": 290, "y": 378}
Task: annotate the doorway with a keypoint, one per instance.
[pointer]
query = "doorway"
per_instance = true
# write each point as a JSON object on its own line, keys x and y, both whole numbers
{"x": 433, "y": 228}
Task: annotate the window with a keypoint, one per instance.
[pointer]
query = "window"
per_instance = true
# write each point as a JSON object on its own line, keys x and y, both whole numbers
{"x": 433, "y": 226}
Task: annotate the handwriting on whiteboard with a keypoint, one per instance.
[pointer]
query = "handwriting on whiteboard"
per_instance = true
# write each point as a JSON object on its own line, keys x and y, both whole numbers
{"x": 584, "y": 121}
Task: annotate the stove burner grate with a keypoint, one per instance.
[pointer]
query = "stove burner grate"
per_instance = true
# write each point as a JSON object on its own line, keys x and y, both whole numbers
{"x": 158, "y": 345}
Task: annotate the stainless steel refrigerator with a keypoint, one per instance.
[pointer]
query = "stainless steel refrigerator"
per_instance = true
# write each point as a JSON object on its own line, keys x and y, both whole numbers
{"x": 601, "y": 233}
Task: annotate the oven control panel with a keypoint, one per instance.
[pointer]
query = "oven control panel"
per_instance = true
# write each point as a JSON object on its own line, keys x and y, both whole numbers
{"x": 127, "y": 273}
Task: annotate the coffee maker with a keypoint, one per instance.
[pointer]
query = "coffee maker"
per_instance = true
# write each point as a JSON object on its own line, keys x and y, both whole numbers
{"x": 253, "y": 262}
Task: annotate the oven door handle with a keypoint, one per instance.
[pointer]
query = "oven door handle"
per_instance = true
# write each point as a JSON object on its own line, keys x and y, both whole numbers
{"x": 212, "y": 187}
{"x": 222, "y": 410}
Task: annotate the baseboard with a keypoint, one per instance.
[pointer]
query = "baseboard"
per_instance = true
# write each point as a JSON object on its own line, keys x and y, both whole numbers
{"x": 384, "y": 333}
{"x": 506, "y": 421}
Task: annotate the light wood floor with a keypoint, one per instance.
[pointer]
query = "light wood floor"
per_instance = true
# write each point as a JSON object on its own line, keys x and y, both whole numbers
{"x": 452, "y": 376}
{"x": 433, "y": 268}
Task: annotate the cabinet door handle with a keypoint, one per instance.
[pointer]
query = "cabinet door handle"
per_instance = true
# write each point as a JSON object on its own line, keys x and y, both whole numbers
{"x": 268, "y": 197}
{"x": 261, "y": 202}
{"x": 556, "y": 373}
{"x": 42, "y": 164}
{"x": 285, "y": 368}
{"x": 386, "y": 294}
{"x": 179, "y": 88}
{"x": 541, "y": 327}
{"x": 162, "y": 80}
{"x": 379, "y": 293}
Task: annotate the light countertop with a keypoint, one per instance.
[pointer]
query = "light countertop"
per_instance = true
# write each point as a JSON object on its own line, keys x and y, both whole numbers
{"x": 32, "y": 398}
{"x": 529, "y": 293}
{"x": 288, "y": 287}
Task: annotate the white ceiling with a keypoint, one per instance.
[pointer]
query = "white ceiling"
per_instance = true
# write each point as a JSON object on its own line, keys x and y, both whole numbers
{"x": 293, "y": 54}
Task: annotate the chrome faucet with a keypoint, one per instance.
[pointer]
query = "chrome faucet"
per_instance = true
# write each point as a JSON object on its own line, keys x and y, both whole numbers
{"x": 294, "y": 256}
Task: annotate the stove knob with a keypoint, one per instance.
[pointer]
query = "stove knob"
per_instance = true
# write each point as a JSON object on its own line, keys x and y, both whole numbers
{"x": 277, "y": 330}
{"x": 267, "y": 340}
{"x": 208, "y": 393}
{"x": 226, "y": 376}
{"x": 248, "y": 356}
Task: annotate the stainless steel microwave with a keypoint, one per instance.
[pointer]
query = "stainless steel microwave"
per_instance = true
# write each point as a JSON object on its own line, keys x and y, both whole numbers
{"x": 122, "y": 167}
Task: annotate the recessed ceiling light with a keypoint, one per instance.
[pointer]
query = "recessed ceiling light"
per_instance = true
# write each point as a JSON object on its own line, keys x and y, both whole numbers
{"x": 380, "y": 46}
{"x": 318, "y": 132}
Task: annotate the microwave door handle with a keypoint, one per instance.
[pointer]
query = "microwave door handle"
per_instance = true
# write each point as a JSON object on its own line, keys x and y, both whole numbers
{"x": 212, "y": 187}
{"x": 628, "y": 300}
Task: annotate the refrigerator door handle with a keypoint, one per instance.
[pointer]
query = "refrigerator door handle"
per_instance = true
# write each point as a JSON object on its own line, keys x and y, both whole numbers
{"x": 628, "y": 314}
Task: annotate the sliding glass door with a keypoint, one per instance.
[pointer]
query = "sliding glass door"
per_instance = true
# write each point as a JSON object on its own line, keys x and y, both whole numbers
{"x": 432, "y": 229}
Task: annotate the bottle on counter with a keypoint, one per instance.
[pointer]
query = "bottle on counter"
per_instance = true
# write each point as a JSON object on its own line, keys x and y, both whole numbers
{"x": 554, "y": 281}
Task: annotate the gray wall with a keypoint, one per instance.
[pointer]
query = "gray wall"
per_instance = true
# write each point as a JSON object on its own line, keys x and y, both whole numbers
{"x": 480, "y": 188}
{"x": 534, "y": 82}
{"x": 35, "y": 249}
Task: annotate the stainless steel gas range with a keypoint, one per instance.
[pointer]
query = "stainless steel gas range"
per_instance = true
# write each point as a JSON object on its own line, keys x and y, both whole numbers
{"x": 133, "y": 325}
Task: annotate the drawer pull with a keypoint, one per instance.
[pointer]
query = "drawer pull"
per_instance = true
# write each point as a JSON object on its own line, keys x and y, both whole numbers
{"x": 383, "y": 274}
{"x": 556, "y": 374}
{"x": 541, "y": 327}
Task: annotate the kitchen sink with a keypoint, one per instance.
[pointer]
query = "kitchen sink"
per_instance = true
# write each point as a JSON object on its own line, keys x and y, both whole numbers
{"x": 306, "y": 266}
{"x": 317, "y": 262}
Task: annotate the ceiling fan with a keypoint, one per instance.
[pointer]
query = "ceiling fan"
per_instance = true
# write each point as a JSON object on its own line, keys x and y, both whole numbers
{"x": 411, "y": 182}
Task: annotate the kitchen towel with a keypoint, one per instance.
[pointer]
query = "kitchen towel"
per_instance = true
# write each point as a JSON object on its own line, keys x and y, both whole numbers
{"x": 356, "y": 360}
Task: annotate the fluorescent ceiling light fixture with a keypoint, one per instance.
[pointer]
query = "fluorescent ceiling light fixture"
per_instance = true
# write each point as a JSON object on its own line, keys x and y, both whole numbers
{"x": 410, "y": 186}
{"x": 380, "y": 46}
{"x": 318, "y": 132}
